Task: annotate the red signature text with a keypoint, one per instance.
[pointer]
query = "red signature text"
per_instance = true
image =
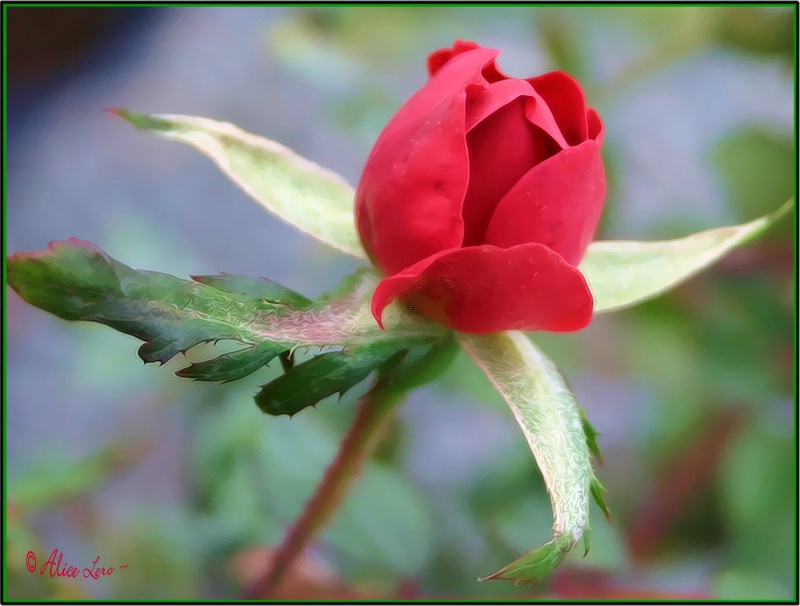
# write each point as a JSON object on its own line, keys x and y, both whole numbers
{"x": 55, "y": 566}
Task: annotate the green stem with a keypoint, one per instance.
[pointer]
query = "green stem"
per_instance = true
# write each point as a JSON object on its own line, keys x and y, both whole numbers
{"x": 374, "y": 412}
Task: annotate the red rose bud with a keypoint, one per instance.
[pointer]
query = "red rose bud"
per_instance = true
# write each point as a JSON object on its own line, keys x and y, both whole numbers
{"x": 481, "y": 195}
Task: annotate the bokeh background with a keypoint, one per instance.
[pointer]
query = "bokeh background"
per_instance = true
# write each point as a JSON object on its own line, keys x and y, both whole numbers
{"x": 189, "y": 485}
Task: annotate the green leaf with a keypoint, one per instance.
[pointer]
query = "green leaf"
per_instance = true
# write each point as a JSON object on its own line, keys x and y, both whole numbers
{"x": 549, "y": 417}
{"x": 261, "y": 288}
{"x": 622, "y": 274}
{"x": 326, "y": 374}
{"x": 233, "y": 365}
{"x": 421, "y": 365}
{"x": 401, "y": 368}
{"x": 76, "y": 281}
{"x": 309, "y": 197}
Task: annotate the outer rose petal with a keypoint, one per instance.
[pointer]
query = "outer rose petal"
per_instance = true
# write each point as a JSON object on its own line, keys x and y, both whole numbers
{"x": 415, "y": 179}
{"x": 409, "y": 199}
{"x": 557, "y": 203}
{"x": 463, "y": 69}
{"x": 564, "y": 96}
{"x": 483, "y": 289}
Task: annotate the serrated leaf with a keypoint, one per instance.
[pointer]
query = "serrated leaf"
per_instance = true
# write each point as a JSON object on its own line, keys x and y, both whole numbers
{"x": 77, "y": 281}
{"x": 324, "y": 375}
{"x": 550, "y": 419}
{"x": 261, "y": 288}
{"x": 622, "y": 274}
{"x": 420, "y": 365}
{"x": 309, "y": 197}
{"x": 342, "y": 317}
{"x": 233, "y": 365}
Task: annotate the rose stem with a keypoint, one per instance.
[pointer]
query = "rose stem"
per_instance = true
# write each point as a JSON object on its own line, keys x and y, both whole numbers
{"x": 374, "y": 412}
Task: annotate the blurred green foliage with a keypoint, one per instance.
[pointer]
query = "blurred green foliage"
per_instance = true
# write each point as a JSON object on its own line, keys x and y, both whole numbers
{"x": 706, "y": 470}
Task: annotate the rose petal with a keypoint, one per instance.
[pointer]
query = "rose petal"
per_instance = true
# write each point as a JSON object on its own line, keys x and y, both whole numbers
{"x": 557, "y": 203}
{"x": 564, "y": 96}
{"x": 502, "y": 148}
{"x": 415, "y": 197}
{"x": 416, "y": 176}
{"x": 594, "y": 125}
{"x": 488, "y": 99}
{"x": 438, "y": 58}
{"x": 459, "y": 71}
{"x": 483, "y": 289}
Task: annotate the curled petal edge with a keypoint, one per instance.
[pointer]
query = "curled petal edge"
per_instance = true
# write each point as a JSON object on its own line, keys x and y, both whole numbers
{"x": 484, "y": 289}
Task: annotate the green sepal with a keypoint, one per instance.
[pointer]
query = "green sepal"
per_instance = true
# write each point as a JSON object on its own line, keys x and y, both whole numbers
{"x": 622, "y": 273}
{"x": 309, "y": 197}
{"x": 535, "y": 564}
{"x": 550, "y": 420}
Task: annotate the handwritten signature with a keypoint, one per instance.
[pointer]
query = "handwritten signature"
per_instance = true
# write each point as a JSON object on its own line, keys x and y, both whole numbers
{"x": 56, "y": 567}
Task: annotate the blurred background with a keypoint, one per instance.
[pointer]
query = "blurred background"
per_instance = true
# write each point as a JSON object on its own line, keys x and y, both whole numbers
{"x": 190, "y": 485}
